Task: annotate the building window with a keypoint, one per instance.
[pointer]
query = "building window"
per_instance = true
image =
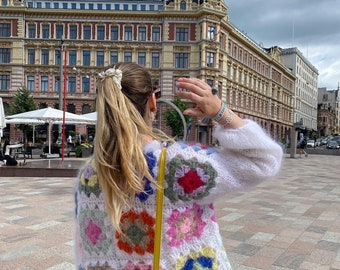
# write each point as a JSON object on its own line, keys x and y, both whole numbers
{"x": 183, "y": 5}
{"x": 181, "y": 60}
{"x": 100, "y": 6}
{"x": 142, "y": 33}
{"x": 5, "y": 55}
{"x": 44, "y": 83}
{"x": 57, "y": 83}
{"x": 155, "y": 60}
{"x": 108, "y": 6}
{"x": 4, "y": 82}
{"x": 47, "y": 5}
{"x": 142, "y": 58}
{"x": 4, "y": 3}
{"x": 211, "y": 32}
{"x": 30, "y": 83}
{"x": 5, "y": 29}
{"x": 45, "y": 31}
{"x": 82, "y": 6}
{"x": 182, "y": 34}
{"x": 114, "y": 32}
{"x": 125, "y": 7}
{"x": 128, "y": 33}
{"x": 134, "y": 7}
{"x": 71, "y": 84}
{"x": 86, "y": 84}
{"x": 90, "y": 6}
{"x": 127, "y": 56}
{"x": 44, "y": 56}
{"x": 64, "y": 5}
{"x": 72, "y": 55}
{"x": 31, "y": 31}
{"x": 55, "y": 5}
{"x": 86, "y": 58}
{"x": 142, "y": 7}
{"x": 31, "y": 56}
{"x": 59, "y": 31}
{"x": 156, "y": 34}
{"x": 210, "y": 59}
{"x": 57, "y": 57}
{"x": 87, "y": 32}
{"x": 100, "y": 58}
{"x": 100, "y": 32}
{"x": 117, "y": 7}
{"x": 113, "y": 57}
{"x": 73, "y": 6}
{"x": 73, "y": 31}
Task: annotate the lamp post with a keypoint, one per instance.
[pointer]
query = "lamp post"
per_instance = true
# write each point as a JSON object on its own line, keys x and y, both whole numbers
{"x": 64, "y": 106}
{"x": 61, "y": 81}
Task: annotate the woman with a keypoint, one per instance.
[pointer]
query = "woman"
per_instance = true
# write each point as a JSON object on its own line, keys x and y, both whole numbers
{"x": 115, "y": 191}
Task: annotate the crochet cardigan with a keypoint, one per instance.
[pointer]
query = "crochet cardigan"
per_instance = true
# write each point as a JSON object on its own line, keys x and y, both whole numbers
{"x": 195, "y": 177}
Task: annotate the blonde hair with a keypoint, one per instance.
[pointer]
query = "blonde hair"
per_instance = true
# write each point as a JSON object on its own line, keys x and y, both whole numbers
{"x": 119, "y": 157}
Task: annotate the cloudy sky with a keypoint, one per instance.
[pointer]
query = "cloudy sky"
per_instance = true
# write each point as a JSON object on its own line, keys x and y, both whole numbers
{"x": 313, "y": 26}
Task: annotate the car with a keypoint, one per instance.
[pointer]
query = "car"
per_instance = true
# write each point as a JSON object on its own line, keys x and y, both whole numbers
{"x": 324, "y": 141}
{"x": 310, "y": 144}
{"x": 332, "y": 145}
{"x": 317, "y": 142}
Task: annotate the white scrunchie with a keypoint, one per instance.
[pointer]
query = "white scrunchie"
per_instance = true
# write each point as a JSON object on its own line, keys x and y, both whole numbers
{"x": 116, "y": 75}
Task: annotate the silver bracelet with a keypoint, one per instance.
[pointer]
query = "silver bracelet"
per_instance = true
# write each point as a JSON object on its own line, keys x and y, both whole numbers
{"x": 229, "y": 118}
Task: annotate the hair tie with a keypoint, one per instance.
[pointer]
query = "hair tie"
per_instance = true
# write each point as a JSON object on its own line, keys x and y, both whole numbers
{"x": 116, "y": 75}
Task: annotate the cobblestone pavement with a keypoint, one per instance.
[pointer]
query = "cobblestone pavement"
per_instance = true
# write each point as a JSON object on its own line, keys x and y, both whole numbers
{"x": 289, "y": 222}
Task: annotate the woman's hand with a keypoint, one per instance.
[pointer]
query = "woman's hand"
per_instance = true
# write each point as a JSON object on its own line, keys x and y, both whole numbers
{"x": 199, "y": 93}
{"x": 207, "y": 104}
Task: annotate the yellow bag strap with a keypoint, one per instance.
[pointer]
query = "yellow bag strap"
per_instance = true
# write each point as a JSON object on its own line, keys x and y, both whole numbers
{"x": 159, "y": 210}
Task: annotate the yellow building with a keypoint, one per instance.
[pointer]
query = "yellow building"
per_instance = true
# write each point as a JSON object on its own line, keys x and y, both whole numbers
{"x": 171, "y": 38}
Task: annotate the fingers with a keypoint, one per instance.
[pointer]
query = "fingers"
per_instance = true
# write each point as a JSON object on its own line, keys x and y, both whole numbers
{"x": 199, "y": 93}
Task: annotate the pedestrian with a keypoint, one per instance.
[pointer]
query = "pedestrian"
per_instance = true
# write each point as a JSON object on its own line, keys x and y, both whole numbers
{"x": 302, "y": 145}
{"x": 115, "y": 192}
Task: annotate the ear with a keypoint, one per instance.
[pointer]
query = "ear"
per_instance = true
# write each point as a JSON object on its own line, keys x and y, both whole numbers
{"x": 152, "y": 102}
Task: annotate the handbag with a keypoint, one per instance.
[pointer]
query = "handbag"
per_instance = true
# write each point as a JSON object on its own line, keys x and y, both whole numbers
{"x": 159, "y": 210}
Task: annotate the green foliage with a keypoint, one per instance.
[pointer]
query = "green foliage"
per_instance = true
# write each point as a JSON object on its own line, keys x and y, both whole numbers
{"x": 22, "y": 102}
{"x": 173, "y": 119}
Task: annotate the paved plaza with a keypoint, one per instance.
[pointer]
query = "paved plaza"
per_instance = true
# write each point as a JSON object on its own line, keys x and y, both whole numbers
{"x": 289, "y": 222}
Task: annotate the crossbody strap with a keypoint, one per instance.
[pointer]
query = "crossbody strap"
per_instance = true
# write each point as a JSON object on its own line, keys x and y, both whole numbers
{"x": 159, "y": 210}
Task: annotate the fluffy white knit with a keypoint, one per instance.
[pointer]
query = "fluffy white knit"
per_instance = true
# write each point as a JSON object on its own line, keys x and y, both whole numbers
{"x": 195, "y": 178}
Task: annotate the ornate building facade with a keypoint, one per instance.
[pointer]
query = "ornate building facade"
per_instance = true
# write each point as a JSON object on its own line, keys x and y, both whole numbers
{"x": 51, "y": 47}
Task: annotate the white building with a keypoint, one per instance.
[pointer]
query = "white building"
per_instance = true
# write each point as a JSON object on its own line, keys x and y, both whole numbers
{"x": 306, "y": 87}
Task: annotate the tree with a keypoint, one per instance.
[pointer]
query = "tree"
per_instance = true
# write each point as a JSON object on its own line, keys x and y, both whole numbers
{"x": 22, "y": 102}
{"x": 173, "y": 119}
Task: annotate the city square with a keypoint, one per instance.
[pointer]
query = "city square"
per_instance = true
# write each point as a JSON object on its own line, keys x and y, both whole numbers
{"x": 289, "y": 222}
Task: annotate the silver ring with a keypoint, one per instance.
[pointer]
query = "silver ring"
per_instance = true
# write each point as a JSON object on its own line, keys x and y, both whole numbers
{"x": 214, "y": 90}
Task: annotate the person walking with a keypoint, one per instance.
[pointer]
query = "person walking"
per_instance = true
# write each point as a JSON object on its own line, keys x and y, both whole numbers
{"x": 302, "y": 145}
{"x": 115, "y": 192}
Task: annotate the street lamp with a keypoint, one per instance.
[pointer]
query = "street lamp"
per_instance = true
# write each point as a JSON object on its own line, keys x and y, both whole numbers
{"x": 60, "y": 80}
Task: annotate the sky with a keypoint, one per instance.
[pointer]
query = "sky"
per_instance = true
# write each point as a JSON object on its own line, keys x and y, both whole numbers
{"x": 313, "y": 26}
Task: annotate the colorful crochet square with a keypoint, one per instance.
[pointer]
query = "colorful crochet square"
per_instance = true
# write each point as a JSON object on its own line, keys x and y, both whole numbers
{"x": 137, "y": 233}
{"x": 185, "y": 225}
{"x": 95, "y": 235}
{"x": 189, "y": 179}
{"x": 137, "y": 266}
{"x": 204, "y": 259}
{"x": 88, "y": 180}
{"x": 152, "y": 162}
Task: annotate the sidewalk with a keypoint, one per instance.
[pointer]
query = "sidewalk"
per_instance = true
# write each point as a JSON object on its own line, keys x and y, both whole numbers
{"x": 290, "y": 222}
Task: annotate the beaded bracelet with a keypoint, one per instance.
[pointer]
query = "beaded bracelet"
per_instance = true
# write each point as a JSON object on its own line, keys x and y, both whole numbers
{"x": 222, "y": 111}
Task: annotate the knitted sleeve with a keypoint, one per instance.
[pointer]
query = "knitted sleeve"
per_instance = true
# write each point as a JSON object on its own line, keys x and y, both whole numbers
{"x": 246, "y": 157}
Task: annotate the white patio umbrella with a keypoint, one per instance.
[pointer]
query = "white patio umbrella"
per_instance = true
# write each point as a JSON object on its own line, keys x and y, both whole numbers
{"x": 92, "y": 115}
{"x": 2, "y": 118}
{"x": 24, "y": 121}
{"x": 50, "y": 115}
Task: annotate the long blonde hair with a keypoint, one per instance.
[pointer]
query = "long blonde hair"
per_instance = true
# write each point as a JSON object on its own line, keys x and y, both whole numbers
{"x": 121, "y": 164}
